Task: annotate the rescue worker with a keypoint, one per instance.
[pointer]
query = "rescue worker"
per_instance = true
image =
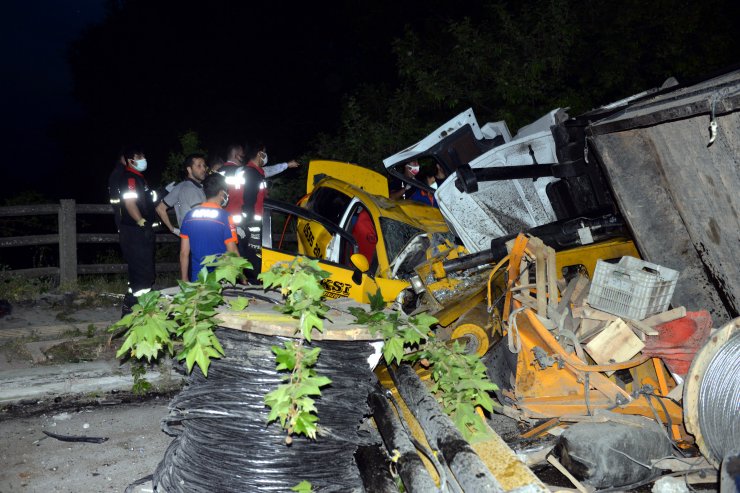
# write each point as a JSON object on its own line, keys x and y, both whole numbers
{"x": 186, "y": 194}
{"x": 255, "y": 191}
{"x": 233, "y": 173}
{"x": 114, "y": 194}
{"x": 206, "y": 229}
{"x": 136, "y": 235}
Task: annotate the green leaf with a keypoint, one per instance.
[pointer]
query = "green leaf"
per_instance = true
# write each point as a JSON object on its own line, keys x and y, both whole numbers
{"x": 305, "y": 423}
{"x": 393, "y": 350}
{"x": 376, "y": 301}
{"x": 238, "y": 304}
{"x": 303, "y": 487}
{"x": 311, "y": 386}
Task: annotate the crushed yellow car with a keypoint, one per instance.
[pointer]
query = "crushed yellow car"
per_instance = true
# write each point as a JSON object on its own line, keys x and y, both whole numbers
{"x": 365, "y": 240}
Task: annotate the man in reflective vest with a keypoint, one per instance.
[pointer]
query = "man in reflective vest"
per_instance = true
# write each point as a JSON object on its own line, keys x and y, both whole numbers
{"x": 233, "y": 173}
{"x": 136, "y": 235}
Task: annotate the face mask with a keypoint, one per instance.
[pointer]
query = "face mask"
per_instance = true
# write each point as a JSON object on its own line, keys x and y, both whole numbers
{"x": 140, "y": 164}
{"x": 434, "y": 185}
{"x": 225, "y": 200}
{"x": 413, "y": 169}
{"x": 264, "y": 158}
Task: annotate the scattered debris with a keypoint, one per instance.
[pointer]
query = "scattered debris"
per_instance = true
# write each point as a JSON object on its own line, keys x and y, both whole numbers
{"x": 75, "y": 438}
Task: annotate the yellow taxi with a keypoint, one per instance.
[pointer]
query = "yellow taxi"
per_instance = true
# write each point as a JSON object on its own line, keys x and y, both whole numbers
{"x": 364, "y": 239}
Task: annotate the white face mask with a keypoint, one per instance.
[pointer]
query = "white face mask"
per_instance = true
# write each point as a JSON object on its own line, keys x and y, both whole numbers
{"x": 140, "y": 164}
{"x": 225, "y": 200}
{"x": 264, "y": 158}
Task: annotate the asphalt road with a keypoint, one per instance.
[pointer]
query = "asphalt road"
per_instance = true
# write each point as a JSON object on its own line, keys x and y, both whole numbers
{"x": 33, "y": 462}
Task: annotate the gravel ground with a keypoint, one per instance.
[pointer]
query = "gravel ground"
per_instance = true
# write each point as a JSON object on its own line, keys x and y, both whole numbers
{"x": 34, "y": 462}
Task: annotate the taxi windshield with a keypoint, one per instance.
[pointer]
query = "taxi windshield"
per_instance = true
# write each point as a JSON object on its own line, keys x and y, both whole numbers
{"x": 396, "y": 235}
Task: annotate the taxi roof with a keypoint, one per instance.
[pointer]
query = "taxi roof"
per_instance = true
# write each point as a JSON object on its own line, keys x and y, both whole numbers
{"x": 422, "y": 216}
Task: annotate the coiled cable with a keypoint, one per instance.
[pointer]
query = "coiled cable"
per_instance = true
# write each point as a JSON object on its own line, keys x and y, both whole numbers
{"x": 719, "y": 399}
{"x": 223, "y": 442}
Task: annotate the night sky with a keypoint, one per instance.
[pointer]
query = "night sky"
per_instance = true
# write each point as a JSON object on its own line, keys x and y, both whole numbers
{"x": 82, "y": 78}
{"x": 36, "y": 84}
{"x": 79, "y": 83}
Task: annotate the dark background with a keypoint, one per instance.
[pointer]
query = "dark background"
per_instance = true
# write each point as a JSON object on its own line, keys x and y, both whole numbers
{"x": 82, "y": 78}
{"x": 85, "y": 77}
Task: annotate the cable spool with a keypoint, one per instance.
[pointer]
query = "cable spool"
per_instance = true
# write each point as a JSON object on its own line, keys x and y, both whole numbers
{"x": 222, "y": 440}
{"x": 712, "y": 394}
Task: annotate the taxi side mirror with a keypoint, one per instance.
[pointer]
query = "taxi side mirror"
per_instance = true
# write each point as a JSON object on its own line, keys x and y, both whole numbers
{"x": 361, "y": 265}
{"x": 360, "y": 262}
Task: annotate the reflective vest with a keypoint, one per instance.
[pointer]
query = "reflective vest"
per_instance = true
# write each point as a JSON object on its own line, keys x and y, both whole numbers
{"x": 234, "y": 176}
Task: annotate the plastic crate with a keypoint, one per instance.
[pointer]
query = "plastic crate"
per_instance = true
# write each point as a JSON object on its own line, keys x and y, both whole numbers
{"x": 633, "y": 288}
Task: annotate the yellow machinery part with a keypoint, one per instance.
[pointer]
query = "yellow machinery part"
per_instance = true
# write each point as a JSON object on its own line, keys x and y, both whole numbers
{"x": 477, "y": 338}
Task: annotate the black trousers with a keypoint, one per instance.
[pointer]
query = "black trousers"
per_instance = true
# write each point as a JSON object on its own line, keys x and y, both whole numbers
{"x": 137, "y": 245}
{"x": 250, "y": 247}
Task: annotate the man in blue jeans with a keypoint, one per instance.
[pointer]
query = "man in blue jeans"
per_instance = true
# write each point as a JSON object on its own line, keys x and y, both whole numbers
{"x": 207, "y": 229}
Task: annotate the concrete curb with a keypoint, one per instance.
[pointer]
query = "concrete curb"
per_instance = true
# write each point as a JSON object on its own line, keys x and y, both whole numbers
{"x": 44, "y": 382}
{"x": 44, "y": 331}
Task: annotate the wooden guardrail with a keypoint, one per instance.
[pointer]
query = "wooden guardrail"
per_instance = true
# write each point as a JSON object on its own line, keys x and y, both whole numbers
{"x": 68, "y": 239}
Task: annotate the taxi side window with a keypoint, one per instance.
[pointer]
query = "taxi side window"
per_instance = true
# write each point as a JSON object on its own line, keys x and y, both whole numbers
{"x": 328, "y": 203}
{"x": 363, "y": 230}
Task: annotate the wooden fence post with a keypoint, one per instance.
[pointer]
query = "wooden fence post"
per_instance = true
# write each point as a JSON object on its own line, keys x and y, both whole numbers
{"x": 67, "y": 244}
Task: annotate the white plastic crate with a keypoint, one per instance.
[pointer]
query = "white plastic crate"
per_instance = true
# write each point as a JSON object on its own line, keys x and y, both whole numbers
{"x": 633, "y": 288}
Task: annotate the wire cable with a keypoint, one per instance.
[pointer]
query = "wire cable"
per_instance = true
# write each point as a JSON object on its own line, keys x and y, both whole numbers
{"x": 719, "y": 399}
{"x": 222, "y": 440}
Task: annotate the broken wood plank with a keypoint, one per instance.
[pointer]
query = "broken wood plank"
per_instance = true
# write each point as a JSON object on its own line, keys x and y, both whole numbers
{"x": 664, "y": 317}
{"x": 552, "y": 277}
{"x": 676, "y": 392}
{"x": 615, "y": 344}
{"x": 583, "y": 284}
{"x": 556, "y": 463}
{"x": 526, "y": 300}
{"x": 587, "y": 311}
{"x": 588, "y": 328}
{"x": 642, "y": 327}
{"x": 541, "y": 428}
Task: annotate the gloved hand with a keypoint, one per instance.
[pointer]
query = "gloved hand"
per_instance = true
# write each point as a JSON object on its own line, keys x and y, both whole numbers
{"x": 141, "y": 222}
{"x": 240, "y": 232}
{"x": 176, "y": 231}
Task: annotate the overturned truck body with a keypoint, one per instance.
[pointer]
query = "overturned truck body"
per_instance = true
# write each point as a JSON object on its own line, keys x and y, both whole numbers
{"x": 659, "y": 167}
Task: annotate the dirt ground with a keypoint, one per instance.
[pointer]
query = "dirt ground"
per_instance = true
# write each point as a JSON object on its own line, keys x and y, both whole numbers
{"x": 34, "y": 462}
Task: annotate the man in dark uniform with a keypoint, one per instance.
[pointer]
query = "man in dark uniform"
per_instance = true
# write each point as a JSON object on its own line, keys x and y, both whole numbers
{"x": 136, "y": 235}
{"x": 114, "y": 194}
{"x": 255, "y": 191}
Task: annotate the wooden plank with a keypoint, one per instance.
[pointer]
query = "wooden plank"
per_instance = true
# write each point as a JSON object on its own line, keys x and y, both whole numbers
{"x": 18, "y": 241}
{"x": 541, "y": 428}
{"x": 586, "y": 311}
{"x": 36, "y": 272}
{"x": 541, "y": 277}
{"x": 615, "y": 344}
{"x": 668, "y": 316}
{"x": 552, "y": 277}
{"x": 556, "y": 463}
{"x": 588, "y": 328}
{"x": 94, "y": 209}
{"x": 29, "y": 210}
{"x": 641, "y": 327}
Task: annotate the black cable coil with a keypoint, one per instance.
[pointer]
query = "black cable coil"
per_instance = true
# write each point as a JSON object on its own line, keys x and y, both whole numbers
{"x": 223, "y": 443}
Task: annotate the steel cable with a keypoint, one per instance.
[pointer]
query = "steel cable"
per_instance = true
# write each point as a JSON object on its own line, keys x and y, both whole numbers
{"x": 222, "y": 442}
{"x": 719, "y": 400}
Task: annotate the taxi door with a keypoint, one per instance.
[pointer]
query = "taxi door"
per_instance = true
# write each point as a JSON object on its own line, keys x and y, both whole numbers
{"x": 279, "y": 245}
